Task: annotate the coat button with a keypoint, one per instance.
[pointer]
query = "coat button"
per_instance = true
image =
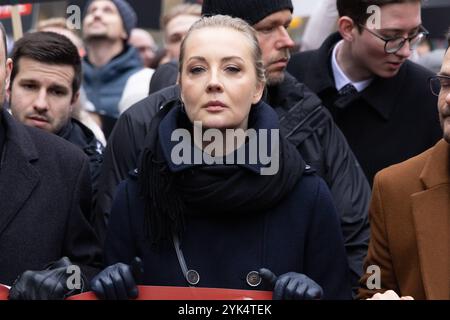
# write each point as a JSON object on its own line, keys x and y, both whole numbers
{"x": 192, "y": 277}
{"x": 253, "y": 279}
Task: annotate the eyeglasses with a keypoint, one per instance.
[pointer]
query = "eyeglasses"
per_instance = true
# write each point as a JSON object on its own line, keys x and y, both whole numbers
{"x": 393, "y": 44}
{"x": 438, "y": 83}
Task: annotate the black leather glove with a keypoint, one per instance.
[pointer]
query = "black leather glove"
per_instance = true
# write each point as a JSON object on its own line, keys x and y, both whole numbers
{"x": 49, "y": 284}
{"x": 118, "y": 282}
{"x": 292, "y": 286}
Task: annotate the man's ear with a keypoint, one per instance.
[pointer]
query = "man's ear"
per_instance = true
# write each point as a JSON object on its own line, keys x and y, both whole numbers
{"x": 9, "y": 66}
{"x": 347, "y": 27}
{"x": 75, "y": 98}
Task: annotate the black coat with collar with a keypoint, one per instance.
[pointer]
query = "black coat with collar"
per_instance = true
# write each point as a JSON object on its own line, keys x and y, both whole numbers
{"x": 298, "y": 232}
{"x": 45, "y": 200}
{"x": 390, "y": 121}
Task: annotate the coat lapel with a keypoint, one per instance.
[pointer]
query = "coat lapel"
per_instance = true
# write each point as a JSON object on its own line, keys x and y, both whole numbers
{"x": 431, "y": 210}
{"x": 18, "y": 177}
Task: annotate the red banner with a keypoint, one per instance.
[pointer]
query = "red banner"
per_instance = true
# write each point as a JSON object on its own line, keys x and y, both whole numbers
{"x": 188, "y": 293}
{"x": 177, "y": 293}
{"x": 4, "y": 292}
{"x": 24, "y": 10}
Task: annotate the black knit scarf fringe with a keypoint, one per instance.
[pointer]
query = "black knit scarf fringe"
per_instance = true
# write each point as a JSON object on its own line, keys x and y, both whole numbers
{"x": 164, "y": 208}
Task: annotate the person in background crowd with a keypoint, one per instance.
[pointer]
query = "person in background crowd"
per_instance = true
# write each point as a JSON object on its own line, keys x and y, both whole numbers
{"x": 303, "y": 120}
{"x": 45, "y": 83}
{"x": 144, "y": 43}
{"x": 109, "y": 61}
{"x": 225, "y": 220}
{"x": 175, "y": 25}
{"x": 378, "y": 98}
{"x": 45, "y": 205}
{"x": 410, "y": 210}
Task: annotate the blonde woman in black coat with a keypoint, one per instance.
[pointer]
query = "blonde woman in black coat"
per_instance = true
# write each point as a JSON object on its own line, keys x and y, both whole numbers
{"x": 203, "y": 210}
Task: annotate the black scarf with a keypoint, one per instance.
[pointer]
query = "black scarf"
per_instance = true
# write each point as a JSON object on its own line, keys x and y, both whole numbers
{"x": 171, "y": 191}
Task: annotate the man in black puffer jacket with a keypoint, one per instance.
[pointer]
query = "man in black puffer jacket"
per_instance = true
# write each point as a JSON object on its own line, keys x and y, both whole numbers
{"x": 304, "y": 121}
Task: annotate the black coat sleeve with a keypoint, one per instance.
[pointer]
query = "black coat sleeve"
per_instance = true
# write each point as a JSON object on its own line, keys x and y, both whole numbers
{"x": 351, "y": 193}
{"x": 119, "y": 158}
{"x": 119, "y": 244}
{"x": 122, "y": 152}
{"x": 81, "y": 243}
{"x": 327, "y": 262}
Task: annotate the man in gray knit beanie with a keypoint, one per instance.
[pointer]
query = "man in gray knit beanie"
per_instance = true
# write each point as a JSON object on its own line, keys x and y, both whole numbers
{"x": 110, "y": 61}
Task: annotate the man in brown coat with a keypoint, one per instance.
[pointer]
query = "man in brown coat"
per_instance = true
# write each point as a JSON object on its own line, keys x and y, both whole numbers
{"x": 410, "y": 219}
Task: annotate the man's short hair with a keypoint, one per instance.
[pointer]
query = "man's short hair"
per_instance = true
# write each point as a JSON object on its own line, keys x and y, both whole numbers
{"x": 190, "y": 9}
{"x": 357, "y": 10}
{"x": 50, "y": 48}
{"x": 3, "y": 32}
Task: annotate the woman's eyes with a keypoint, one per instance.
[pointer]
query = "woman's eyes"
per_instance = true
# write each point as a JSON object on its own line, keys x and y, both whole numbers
{"x": 228, "y": 69}
{"x": 233, "y": 69}
{"x": 196, "y": 70}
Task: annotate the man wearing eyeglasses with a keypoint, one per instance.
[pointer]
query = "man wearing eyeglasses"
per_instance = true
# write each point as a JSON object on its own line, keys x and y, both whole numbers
{"x": 378, "y": 98}
{"x": 410, "y": 218}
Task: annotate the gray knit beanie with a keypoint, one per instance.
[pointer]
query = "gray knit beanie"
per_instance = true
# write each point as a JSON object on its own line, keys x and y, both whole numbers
{"x": 251, "y": 11}
{"x": 126, "y": 11}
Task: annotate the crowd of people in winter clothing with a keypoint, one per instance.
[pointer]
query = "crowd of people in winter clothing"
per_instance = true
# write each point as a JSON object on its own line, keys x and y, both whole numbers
{"x": 236, "y": 164}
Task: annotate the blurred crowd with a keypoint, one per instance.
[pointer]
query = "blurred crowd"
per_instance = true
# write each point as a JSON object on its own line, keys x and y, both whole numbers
{"x": 358, "y": 108}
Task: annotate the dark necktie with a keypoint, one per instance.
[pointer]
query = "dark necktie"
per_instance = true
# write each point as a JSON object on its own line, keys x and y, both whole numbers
{"x": 346, "y": 95}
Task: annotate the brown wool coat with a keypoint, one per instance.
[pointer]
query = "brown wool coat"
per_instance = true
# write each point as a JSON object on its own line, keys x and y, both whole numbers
{"x": 410, "y": 227}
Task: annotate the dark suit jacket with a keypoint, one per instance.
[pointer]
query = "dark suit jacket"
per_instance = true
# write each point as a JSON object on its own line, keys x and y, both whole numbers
{"x": 45, "y": 199}
{"x": 390, "y": 121}
{"x": 410, "y": 227}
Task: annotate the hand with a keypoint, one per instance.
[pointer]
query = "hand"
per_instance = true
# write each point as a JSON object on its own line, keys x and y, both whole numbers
{"x": 118, "y": 282}
{"x": 389, "y": 295}
{"x": 292, "y": 286}
{"x": 48, "y": 284}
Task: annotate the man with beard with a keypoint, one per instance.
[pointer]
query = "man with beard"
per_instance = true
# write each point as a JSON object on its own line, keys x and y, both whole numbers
{"x": 45, "y": 208}
{"x": 410, "y": 209}
{"x": 304, "y": 121}
{"x": 110, "y": 60}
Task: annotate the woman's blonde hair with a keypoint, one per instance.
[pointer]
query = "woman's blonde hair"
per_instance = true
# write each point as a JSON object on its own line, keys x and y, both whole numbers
{"x": 221, "y": 21}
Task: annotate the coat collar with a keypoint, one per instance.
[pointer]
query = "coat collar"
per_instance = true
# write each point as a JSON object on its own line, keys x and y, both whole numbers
{"x": 321, "y": 80}
{"x": 431, "y": 211}
{"x": 18, "y": 176}
{"x": 128, "y": 60}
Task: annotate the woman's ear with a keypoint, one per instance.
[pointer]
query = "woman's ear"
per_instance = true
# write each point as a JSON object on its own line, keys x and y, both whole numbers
{"x": 346, "y": 27}
{"x": 257, "y": 95}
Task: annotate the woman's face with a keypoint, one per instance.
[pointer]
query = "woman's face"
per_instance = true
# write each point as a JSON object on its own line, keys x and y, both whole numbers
{"x": 218, "y": 79}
